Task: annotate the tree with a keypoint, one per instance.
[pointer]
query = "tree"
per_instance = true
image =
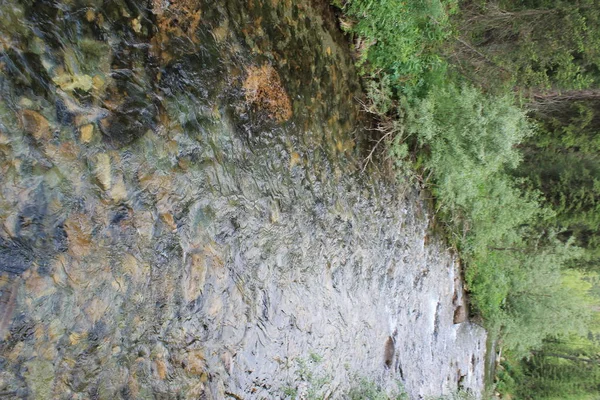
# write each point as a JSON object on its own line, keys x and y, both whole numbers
{"x": 539, "y": 44}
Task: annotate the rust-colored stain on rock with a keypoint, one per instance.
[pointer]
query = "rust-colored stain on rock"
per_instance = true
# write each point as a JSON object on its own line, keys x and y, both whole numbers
{"x": 263, "y": 89}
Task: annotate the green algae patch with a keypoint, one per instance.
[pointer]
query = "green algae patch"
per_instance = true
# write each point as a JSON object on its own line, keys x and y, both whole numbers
{"x": 71, "y": 82}
{"x": 39, "y": 376}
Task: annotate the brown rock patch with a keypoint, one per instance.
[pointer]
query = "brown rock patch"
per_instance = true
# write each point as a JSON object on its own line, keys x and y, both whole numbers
{"x": 389, "y": 352}
{"x": 263, "y": 89}
{"x": 35, "y": 124}
{"x": 460, "y": 314}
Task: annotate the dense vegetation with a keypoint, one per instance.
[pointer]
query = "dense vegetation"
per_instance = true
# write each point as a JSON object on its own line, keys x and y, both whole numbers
{"x": 494, "y": 107}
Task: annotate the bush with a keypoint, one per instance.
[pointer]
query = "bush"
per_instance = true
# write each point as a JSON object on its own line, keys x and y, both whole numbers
{"x": 400, "y": 38}
{"x": 470, "y": 140}
{"x": 369, "y": 390}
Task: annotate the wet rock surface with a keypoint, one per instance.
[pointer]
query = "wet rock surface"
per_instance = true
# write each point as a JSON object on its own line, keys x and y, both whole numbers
{"x": 167, "y": 233}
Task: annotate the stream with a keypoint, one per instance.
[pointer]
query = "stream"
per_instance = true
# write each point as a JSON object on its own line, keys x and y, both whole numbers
{"x": 184, "y": 215}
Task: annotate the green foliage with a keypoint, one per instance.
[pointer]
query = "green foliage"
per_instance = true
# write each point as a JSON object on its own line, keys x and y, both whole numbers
{"x": 318, "y": 384}
{"x": 369, "y": 390}
{"x": 289, "y": 391}
{"x": 563, "y": 162}
{"x": 571, "y": 185}
{"x": 400, "y": 38}
{"x": 470, "y": 126}
{"x": 471, "y": 140}
{"x": 316, "y": 358}
{"x": 541, "y": 44}
{"x": 520, "y": 289}
{"x": 310, "y": 371}
{"x": 565, "y": 367}
{"x": 568, "y": 124}
{"x": 539, "y": 306}
{"x": 513, "y": 272}
{"x": 458, "y": 395}
{"x": 521, "y": 227}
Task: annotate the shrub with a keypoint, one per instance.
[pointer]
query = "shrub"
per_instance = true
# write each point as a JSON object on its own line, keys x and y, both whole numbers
{"x": 470, "y": 140}
{"x": 399, "y": 38}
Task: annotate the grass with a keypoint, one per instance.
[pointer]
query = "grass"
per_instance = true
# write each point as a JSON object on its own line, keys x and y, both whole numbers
{"x": 369, "y": 390}
{"x": 309, "y": 371}
{"x": 318, "y": 383}
{"x": 458, "y": 395}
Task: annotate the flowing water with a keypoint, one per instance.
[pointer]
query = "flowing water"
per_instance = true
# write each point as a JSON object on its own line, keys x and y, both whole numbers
{"x": 183, "y": 213}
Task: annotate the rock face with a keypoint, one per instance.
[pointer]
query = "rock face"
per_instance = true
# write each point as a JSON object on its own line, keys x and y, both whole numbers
{"x": 160, "y": 237}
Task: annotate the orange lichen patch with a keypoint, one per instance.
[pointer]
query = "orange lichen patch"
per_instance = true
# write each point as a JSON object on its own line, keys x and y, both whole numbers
{"x": 263, "y": 89}
{"x": 118, "y": 191}
{"x": 10, "y": 223}
{"x": 38, "y": 331}
{"x": 295, "y": 159}
{"x": 178, "y": 18}
{"x": 195, "y": 277}
{"x": 195, "y": 364}
{"x": 333, "y": 73}
{"x": 133, "y": 385}
{"x": 213, "y": 255}
{"x": 16, "y": 352}
{"x": 155, "y": 183}
{"x": 227, "y": 360}
{"x": 59, "y": 275}
{"x": 79, "y": 228}
{"x": 144, "y": 224}
{"x": 45, "y": 350}
{"x": 344, "y": 146}
{"x": 55, "y": 330}
{"x": 102, "y": 170}
{"x": 87, "y": 133}
{"x": 160, "y": 366}
{"x": 38, "y": 286}
{"x": 119, "y": 284}
{"x": 68, "y": 151}
{"x": 130, "y": 266}
{"x": 215, "y": 306}
{"x": 220, "y": 33}
{"x": 98, "y": 83}
{"x": 35, "y": 124}
{"x": 161, "y": 369}
{"x": 169, "y": 220}
{"x": 76, "y": 337}
{"x": 77, "y": 274}
{"x": 95, "y": 309}
{"x": 172, "y": 147}
{"x": 4, "y": 141}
